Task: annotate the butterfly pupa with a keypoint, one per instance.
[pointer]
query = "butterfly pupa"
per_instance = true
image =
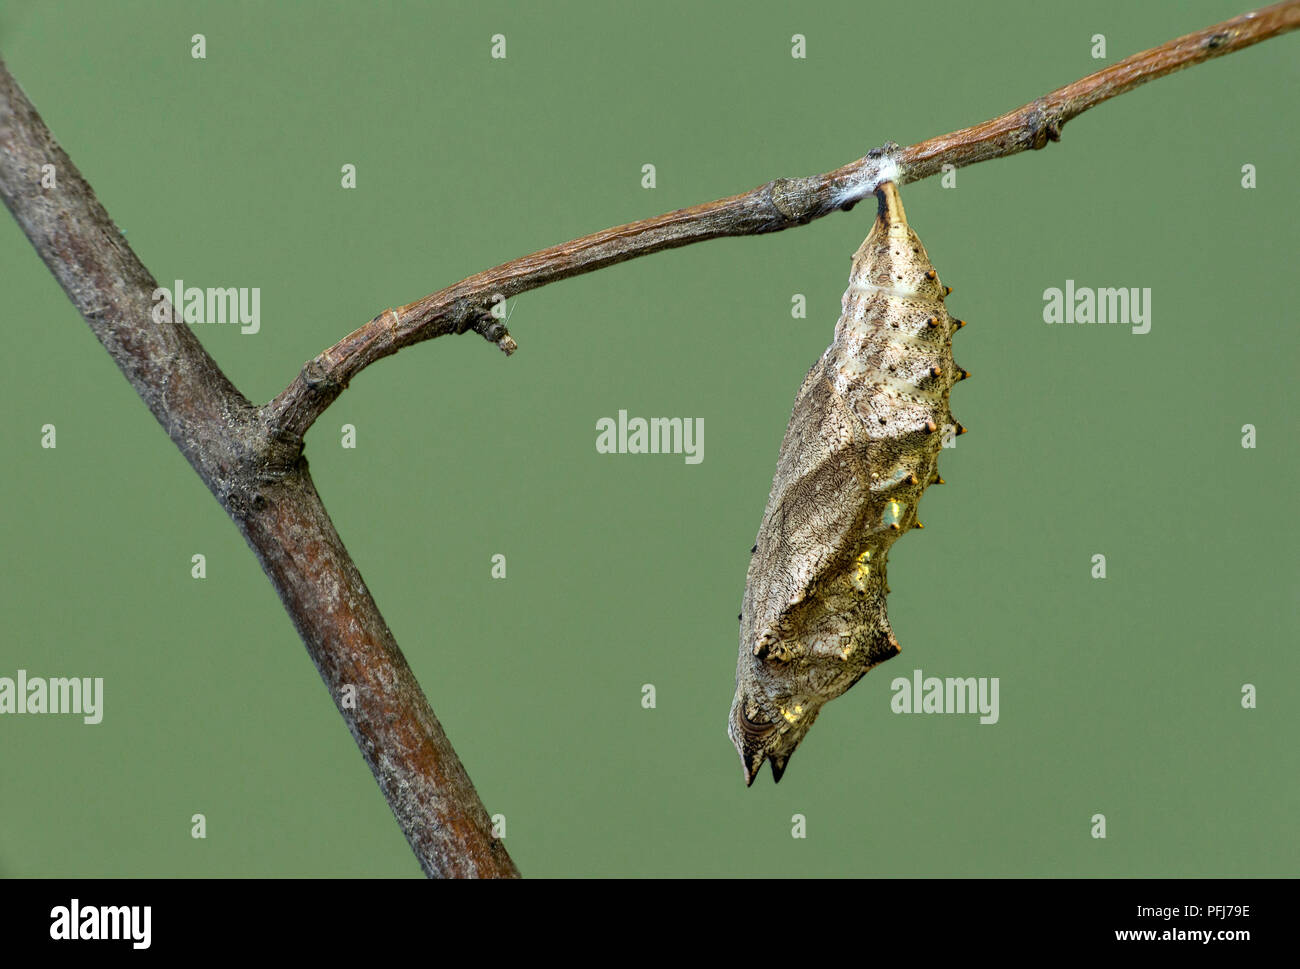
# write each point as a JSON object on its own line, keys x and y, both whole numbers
{"x": 862, "y": 445}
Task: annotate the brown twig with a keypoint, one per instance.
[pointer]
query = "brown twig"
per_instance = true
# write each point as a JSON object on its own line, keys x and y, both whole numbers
{"x": 778, "y": 205}
{"x": 251, "y": 460}
{"x": 265, "y": 488}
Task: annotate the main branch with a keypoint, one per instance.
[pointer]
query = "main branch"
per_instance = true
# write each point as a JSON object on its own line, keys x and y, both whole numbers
{"x": 778, "y": 205}
{"x": 264, "y": 487}
{"x": 251, "y": 458}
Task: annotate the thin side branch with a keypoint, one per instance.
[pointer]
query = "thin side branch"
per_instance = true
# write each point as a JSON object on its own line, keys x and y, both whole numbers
{"x": 780, "y": 204}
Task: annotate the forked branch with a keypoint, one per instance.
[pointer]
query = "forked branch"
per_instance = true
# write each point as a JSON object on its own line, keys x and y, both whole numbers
{"x": 250, "y": 457}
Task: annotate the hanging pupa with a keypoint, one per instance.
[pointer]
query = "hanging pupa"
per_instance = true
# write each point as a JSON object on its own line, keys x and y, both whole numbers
{"x": 862, "y": 445}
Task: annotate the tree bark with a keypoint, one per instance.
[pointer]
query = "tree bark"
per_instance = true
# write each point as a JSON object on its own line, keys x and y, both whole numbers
{"x": 251, "y": 458}
{"x": 264, "y": 487}
{"x": 780, "y": 204}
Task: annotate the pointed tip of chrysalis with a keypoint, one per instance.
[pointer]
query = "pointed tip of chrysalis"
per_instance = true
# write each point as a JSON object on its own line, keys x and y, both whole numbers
{"x": 749, "y": 747}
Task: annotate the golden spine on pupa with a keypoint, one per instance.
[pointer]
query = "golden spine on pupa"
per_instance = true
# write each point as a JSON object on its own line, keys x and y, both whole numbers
{"x": 862, "y": 445}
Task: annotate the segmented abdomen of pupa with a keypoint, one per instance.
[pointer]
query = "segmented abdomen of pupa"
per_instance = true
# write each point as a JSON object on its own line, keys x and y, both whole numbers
{"x": 862, "y": 445}
{"x": 891, "y": 363}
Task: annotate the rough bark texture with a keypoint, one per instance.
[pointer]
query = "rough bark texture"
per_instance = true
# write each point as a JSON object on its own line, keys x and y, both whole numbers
{"x": 779, "y": 204}
{"x": 392, "y": 723}
{"x": 264, "y": 486}
{"x": 251, "y": 457}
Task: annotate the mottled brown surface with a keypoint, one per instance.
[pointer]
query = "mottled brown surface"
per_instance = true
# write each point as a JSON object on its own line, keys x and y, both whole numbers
{"x": 779, "y": 204}
{"x": 264, "y": 486}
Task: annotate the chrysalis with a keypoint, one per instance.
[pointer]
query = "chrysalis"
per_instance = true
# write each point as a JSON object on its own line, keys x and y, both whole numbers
{"x": 862, "y": 445}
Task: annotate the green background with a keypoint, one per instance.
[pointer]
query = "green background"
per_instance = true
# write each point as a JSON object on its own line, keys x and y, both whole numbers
{"x": 1119, "y": 697}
